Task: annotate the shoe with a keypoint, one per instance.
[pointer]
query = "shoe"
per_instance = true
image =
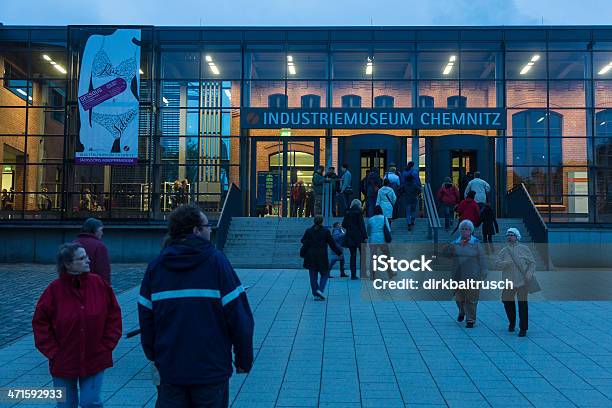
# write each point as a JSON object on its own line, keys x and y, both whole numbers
{"x": 317, "y": 297}
{"x": 330, "y": 277}
{"x": 321, "y": 295}
{"x": 522, "y": 333}
{"x": 460, "y": 318}
{"x": 354, "y": 278}
{"x": 469, "y": 325}
{"x": 343, "y": 275}
{"x": 409, "y": 227}
{"x": 511, "y": 328}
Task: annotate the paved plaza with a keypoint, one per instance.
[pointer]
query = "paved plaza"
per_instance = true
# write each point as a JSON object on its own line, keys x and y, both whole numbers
{"x": 353, "y": 351}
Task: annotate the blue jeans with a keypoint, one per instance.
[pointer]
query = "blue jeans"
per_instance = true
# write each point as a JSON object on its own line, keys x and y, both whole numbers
{"x": 447, "y": 211}
{"x": 411, "y": 211}
{"x": 89, "y": 387}
{"x": 335, "y": 258}
{"x": 317, "y": 285}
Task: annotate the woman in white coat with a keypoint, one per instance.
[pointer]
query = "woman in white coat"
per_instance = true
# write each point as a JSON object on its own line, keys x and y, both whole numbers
{"x": 386, "y": 199}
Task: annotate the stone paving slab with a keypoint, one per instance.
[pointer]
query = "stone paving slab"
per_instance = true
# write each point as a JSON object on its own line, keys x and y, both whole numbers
{"x": 351, "y": 351}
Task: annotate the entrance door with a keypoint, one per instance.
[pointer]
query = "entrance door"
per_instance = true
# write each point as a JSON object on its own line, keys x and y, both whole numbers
{"x": 463, "y": 166}
{"x": 277, "y": 166}
{"x": 372, "y": 158}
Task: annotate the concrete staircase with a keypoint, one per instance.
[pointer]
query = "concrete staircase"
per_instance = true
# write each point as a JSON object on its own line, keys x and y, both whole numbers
{"x": 274, "y": 243}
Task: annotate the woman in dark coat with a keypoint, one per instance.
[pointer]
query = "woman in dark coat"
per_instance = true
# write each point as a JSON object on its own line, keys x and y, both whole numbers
{"x": 489, "y": 226}
{"x": 315, "y": 241}
{"x": 355, "y": 233}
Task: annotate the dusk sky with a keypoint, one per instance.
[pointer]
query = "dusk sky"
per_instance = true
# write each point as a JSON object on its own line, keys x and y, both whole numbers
{"x": 307, "y": 13}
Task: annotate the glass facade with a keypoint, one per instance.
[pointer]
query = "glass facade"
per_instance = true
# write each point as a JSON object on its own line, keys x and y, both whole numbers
{"x": 194, "y": 81}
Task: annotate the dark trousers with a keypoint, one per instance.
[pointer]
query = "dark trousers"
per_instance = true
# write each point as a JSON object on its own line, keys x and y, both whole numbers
{"x": 447, "y": 210}
{"x": 488, "y": 242}
{"x": 196, "y": 396}
{"x": 508, "y": 296}
{"x": 370, "y": 205}
{"x": 353, "y": 261}
{"x": 317, "y": 284}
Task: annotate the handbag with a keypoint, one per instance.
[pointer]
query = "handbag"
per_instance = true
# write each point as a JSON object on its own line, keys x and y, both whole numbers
{"x": 533, "y": 286}
{"x": 387, "y": 232}
{"x": 304, "y": 248}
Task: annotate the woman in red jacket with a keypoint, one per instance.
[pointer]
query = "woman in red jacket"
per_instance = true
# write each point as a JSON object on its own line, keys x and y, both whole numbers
{"x": 468, "y": 210}
{"x": 77, "y": 324}
{"x": 448, "y": 196}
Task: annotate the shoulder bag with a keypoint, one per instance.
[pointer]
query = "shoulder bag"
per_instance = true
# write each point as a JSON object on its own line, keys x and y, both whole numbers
{"x": 387, "y": 232}
{"x": 533, "y": 286}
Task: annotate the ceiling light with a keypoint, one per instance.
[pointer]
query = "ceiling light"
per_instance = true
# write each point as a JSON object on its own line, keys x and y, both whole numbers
{"x": 164, "y": 100}
{"x": 141, "y": 72}
{"x": 21, "y": 91}
{"x": 449, "y": 66}
{"x": 214, "y": 68}
{"x": 605, "y": 69}
{"x": 291, "y": 69}
{"x": 46, "y": 57}
{"x": 60, "y": 68}
{"x": 541, "y": 119}
{"x": 228, "y": 93}
{"x": 530, "y": 64}
{"x": 289, "y": 58}
{"x": 602, "y": 123}
{"x": 52, "y": 62}
{"x": 208, "y": 58}
{"x": 369, "y": 67}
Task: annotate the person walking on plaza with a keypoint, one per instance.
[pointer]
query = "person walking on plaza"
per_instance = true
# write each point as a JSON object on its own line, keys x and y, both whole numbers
{"x": 411, "y": 189}
{"x": 192, "y": 311}
{"x": 373, "y": 184}
{"x": 346, "y": 189}
{"x": 338, "y": 235}
{"x": 375, "y": 229}
{"x": 468, "y": 210}
{"x": 77, "y": 325}
{"x": 90, "y": 238}
{"x": 317, "y": 189}
{"x": 448, "y": 196}
{"x": 518, "y": 265}
{"x": 480, "y": 187}
{"x": 315, "y": 241}
{"x": 386, "y": 199}
{"x": 355, "y": 233}
{"x": 469, "y": 262}
{"x": 298, "y": 195}
{"x": 489, "y": 226}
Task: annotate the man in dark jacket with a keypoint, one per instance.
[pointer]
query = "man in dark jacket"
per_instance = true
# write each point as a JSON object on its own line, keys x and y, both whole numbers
{"x": 315, "y": 241}
{"x": 192, "y": 311}
{"x": 373, "y": 184}
{"x": 91, "y": 239}
{"x": 317, "y": 189}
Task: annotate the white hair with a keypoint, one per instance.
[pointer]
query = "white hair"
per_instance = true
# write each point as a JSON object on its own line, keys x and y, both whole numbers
{"x": 467, "y": 223}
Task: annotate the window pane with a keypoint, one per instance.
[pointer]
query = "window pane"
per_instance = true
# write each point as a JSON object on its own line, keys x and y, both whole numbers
{"x": 180, "y": 65}
{"x": 602, "y": 65}
{"x": 12, "y": 121}
{"x": 526, "y": 65}
{"x": 400, "y": 91}
{"x": 49, "y": 63}
{"x": 603, "y": 94}
{"x": 221, "y": 65}
{"x": 526, "y": 94}
{"x": 440, "y": 91}
{"x": 262, "y": 93}
{"x": 567, "y": 94}
{"x": 479, "y": 94}
{"x": 265, "y": 65}
{"x": 359, "y": 93}
{"x": 352, "y": 65}
{"x": 603, "y": 152}
{"x": 307, "y": 94}
{"x": 478, "y": 65}
{"x": 568, "y": 65}
{"x": 438, "y": 65}
{"x": 393, "y": 65}
{"x": 307, "y": 65}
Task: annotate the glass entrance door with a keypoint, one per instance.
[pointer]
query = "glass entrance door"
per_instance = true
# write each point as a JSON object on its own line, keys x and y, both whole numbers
{"x": 463, "y": 166}
{"x": 281, "y": 181}
{"x": 372, "y": 159}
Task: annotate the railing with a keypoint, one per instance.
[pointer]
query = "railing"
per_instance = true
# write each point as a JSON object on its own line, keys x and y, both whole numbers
{"x": 520, "y": 205}
{"x": 431, "y": 211}
{"x": 232, "y": 207}
{"x": 327, "y": 202}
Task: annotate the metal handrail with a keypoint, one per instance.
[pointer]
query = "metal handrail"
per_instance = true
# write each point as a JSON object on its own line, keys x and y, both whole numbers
{"x": 232, "y": 207}
{"x": 521, "y": 205}
{"x": 432, "y": 213}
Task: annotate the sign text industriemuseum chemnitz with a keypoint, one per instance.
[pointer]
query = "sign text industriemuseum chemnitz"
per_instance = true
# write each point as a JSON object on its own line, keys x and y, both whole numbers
{"x": 341, "y": 118}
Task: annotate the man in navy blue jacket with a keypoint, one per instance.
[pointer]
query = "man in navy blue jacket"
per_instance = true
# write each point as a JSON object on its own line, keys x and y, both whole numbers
{"x": 192, "y": 310}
